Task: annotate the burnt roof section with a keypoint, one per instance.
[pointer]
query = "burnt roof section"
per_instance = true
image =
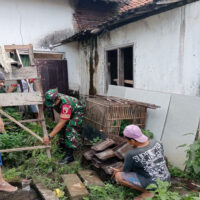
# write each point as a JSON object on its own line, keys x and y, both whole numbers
{"x": 140, "y": 9}
{"x": 89, "y": 14}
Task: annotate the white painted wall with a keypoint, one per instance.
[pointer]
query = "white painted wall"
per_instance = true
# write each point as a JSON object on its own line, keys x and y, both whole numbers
{"x": 166, "y": 52}
{"x": 74, "y": 65}
{"x": 28, "y": 21}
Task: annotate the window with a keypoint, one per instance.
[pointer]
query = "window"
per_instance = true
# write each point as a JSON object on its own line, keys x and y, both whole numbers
{"x": 120, "y": 66}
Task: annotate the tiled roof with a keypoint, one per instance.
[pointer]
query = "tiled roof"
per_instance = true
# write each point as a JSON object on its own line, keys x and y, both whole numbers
{"x": 134, "y": 4}
{"x": 89, "y": 16}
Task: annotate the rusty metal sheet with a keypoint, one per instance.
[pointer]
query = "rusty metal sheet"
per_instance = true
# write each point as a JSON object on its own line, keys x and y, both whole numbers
{"x": 88, "y": 155}
{"x": 109, "y": 153}
{"x": 102, "y": 145}
{"x": 121, "y": 150}
{"x": 108, "y": 167}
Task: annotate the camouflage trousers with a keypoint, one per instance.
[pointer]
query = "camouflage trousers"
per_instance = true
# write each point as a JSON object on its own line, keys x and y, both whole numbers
{"x": 71, "y": 132}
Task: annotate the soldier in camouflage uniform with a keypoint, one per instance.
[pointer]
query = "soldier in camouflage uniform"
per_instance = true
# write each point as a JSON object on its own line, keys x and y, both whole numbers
{"x": 71, "y": 117}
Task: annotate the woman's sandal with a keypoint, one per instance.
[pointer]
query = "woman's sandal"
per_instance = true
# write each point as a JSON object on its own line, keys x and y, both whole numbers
{"x": 6, "y": 187}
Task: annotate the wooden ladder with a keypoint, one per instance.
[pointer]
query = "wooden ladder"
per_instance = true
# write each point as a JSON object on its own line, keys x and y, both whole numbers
{"x": 21, "y": 99}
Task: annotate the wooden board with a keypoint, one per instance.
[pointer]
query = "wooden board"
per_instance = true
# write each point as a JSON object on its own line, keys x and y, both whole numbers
{"x": 13, "y": 47}
{"x": 21, "y": 73}
{"x": 24, "y": 149}
{"x": 20, "y": 99}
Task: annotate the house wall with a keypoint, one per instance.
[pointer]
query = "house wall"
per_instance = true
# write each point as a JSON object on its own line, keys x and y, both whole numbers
{"x": 34, "y": 21}
{"x": 74, "y": 66}
{"x": 166, "y": 53}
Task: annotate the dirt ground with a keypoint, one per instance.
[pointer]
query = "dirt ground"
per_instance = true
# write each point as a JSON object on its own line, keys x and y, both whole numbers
{"x": 20, "y": 195}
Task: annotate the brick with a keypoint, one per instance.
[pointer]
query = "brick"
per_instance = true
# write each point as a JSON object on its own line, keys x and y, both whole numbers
{"x": 75, "y": 187}
{"x": 90, "y": 178}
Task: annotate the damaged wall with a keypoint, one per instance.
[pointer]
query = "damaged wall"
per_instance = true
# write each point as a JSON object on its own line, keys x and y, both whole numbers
{"x": 166, "y": 53}
{"x": 35, "y": 21}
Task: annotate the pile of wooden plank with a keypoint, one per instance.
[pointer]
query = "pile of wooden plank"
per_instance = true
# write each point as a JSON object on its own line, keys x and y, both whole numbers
{"x": 105, "y": 155}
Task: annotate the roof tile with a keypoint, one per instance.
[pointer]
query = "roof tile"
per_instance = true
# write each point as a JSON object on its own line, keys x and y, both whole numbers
{"x": 134, "y": 4}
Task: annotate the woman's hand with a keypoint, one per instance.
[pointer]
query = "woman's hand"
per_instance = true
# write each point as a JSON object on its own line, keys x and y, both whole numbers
{"x": 46, "y": 140}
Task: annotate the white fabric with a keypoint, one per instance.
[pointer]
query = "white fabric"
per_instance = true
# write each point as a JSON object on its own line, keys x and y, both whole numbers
{"x": 25, "y": 87}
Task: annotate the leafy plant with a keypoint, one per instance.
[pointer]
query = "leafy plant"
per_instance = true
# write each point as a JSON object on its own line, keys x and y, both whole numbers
{"x": 162, "y": 192}
{"x": 193, "y": 162}
{"x": 148, "y": 133}
{"x": 110, "y": 192}
{"x": 95, "y": 140}
{"x": 176, "y": 172}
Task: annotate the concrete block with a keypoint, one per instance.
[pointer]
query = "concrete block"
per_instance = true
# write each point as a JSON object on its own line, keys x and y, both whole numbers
{"x": 90, "y": 178}
{"x": 46, "y": 193}
{"x": 75, "y": 187}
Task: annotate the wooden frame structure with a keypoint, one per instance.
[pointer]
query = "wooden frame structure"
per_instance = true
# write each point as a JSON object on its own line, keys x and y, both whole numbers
{"x": 20, "y": 99}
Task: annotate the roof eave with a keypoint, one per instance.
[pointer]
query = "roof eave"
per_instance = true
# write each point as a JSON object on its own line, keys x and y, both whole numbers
{"x": 130, "y": 16}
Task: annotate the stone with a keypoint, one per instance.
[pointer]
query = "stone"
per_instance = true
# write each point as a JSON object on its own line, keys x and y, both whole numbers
{"x": 90, "y": 178}
{"x": 46, "y": 193}
{"x": 75, "y": 187}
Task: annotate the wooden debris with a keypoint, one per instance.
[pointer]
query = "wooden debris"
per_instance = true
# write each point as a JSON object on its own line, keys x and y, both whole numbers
{"x": 102, "y": 145}
{"x": 109, "y": 153}
{"x": 108, "y": 168}
{"x": 121, "y": 150}
{"x": 88, "y": 155}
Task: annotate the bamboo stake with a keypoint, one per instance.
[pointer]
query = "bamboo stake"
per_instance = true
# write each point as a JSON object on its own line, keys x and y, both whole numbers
{"x": 21, "y": 125}
{"x": 27, "y": 120}
{"x": 24, "y": 149}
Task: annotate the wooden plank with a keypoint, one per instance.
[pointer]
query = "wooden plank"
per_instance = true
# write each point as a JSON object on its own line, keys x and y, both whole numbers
{"x": 21, "y": 73}
{"x": 38, "y": 87}
{"x": 20, "y": 99}
{"x": 21, "y": 125}
{"x": 13, "y": 47}
{"x": 27, "y": 120}
{"x": 48, "y": 56}
{"x": 24, "y": 149}
{"x": 121, "y": 67}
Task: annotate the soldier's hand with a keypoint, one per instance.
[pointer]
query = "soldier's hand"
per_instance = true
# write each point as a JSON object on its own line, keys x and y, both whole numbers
{"x": 46, "y": 140}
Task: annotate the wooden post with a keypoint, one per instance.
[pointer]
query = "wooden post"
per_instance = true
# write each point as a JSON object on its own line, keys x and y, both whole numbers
{"x": 38, "y": 87}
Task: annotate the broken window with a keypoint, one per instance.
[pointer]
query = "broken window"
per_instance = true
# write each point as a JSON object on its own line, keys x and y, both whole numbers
{"x": 120, "y": 66}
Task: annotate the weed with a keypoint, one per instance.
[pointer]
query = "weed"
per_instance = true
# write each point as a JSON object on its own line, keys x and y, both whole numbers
{"x": 176, "y": 172}
{"x": 162, "y": 191}
{"x": 193, "y": 162}
{"x": 95, "y": 140}
{"x": 110, "y": 192}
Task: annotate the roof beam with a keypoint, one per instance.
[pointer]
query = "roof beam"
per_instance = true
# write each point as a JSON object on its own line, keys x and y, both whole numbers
{"x": 161, "y": 2}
